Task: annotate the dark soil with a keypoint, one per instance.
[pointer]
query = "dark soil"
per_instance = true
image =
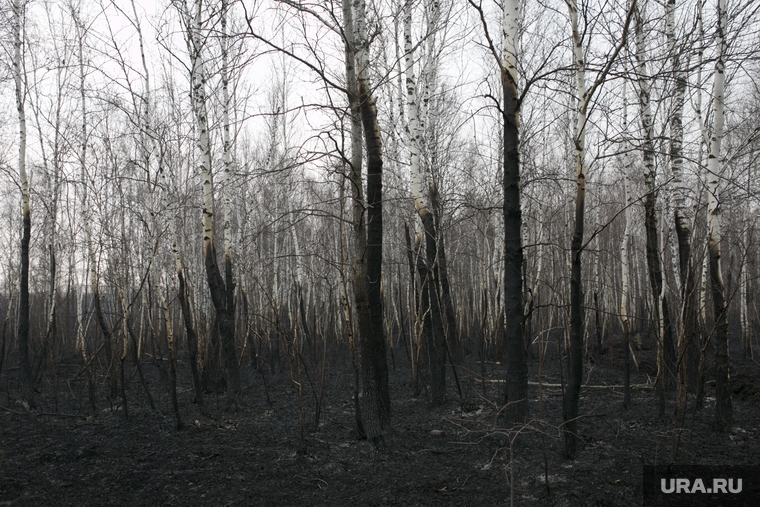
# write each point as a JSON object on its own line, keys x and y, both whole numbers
{"x": 247, "y": 456}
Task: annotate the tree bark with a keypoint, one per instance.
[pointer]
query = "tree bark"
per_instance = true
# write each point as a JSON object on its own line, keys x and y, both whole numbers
{"x": 27, "y": 388}
{"x": 216, "y": 282}
{"x": 231, "y": 362}
{"x": 681, "y": 212}
{"x": 372, "y": 371}
{"x": 575, "y": 358}
{"x": 661, "y": 314}
{"x": 374, "y": 365}
{"x": 624, "y": 258}
{"x": 437, "y": 349}
{"x": 347, "y": 317}
{"x": 171, "y": 346}
{"x": 451, "y": 332}
{"x": 723, "y": 409}
{"x": 413, "y": 297}
{"x": 517, "y": 359}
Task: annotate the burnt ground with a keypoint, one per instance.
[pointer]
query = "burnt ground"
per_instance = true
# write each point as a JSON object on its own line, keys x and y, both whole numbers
{"x": 248, "y": 456}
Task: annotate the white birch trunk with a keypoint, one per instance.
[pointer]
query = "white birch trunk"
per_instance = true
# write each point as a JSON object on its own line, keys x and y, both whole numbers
{"x": 192, "y": 22}
{"x": 510, "y": 32}
{"x": 227, "y": 141}
{"x": 624, "y": 258}
{"x": 704, "y": 142}
{"x": 743, "y": 294}
{"x": 19, "y": 77}
{"x": 18, "y": 8}
{"x": 644, "y": 97}
{"x": 682, "y": 212}
{"x": 701, "y": 120}
{"x": 414, "y": 127}
{"x": 723, "y": 409}
{"x": 81, "y": 345}
{"x": 428, "y": 77}
{"x": 84, "y": 209}
{"x": 703, "y": 290}
{"x": 583, "y": 97}
{"x": 713, "y": 159}
{"x": 361, "y": 48}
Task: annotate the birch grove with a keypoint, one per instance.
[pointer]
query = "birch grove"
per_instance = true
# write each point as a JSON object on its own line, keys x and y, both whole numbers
{"x": 425, "y": 198}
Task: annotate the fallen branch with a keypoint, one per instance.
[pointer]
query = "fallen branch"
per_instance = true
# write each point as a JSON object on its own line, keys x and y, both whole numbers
{"x": 547, "y": 384}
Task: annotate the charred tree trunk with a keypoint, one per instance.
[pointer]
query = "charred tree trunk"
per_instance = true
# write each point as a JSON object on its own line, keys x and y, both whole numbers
{"x": 27, "y": 387}
{"x": 230, "y": 354}
{"x": 584, "y": 96}
{"x": 424, "y": 316}
{"x": 437, "y": 350}
{"x": 723, "y": 408}
{"x": 414, "y": 297}
{"x": 654, "y": 264}
{"x": 376, "y": 412}
{"x": 347, "y": 317}
{"x": 689, "y": 318}
{"x": 220, "y": 293}
{"x": 437, "y": 346}
{"x": 192, "y": 339}
{"x": 451, "y": 330}
{"x": 517, "y": 358}
{"x": 575, "y": 358}
{"x": 374, "y": 365}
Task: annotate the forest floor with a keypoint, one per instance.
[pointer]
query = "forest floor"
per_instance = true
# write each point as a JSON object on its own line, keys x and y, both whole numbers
{"x": 247, "y": 457}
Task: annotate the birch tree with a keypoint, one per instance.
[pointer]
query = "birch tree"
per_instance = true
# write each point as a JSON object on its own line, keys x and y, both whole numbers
{"x": 624, "y": 258}
{"x": 218, "y": 287}
{"x": 511, "y": 272}
{"x": 583, "y": 98}
{"x": 19, "y": 7}
{"x": 723, "y": 411}
{"x": 517, "y": 361}
{"x": 654, "y": 263}
{"x": 575, "y": 360}
{"x": 437, "y": 346}
{"x": 368, "y": 239}
{"x": 683, "y": 216}
{"x": 227, "y": 159}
